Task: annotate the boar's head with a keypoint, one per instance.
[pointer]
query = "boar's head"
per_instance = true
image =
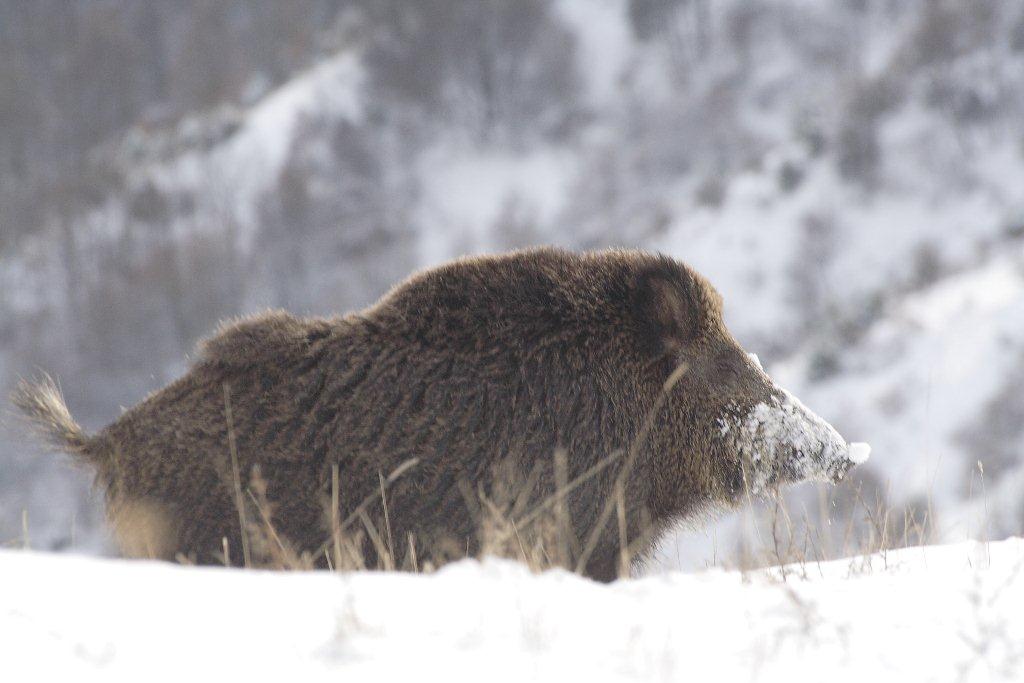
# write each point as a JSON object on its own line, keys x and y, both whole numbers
{"x": 725, "y": 429}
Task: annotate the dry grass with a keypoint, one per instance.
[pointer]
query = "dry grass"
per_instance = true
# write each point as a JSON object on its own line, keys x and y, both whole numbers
{"x": 855, "y": 520}
{"x": 364, "y": 541}
{"x": 510, "y": 523}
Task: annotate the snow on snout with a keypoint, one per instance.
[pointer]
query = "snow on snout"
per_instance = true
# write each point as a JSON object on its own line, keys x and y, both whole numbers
{"x": 859, "y": 453}
{"x": 783, "y": 438}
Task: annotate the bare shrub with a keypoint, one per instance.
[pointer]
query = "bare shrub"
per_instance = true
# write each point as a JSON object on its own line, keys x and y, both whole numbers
{"x": 648, "y": 18}
{"x": 1017, "y": 35}
{"x": 855, "y": 519}
{"x": 996, "y": 437}
{"x": 711, "y": 192}
{"x": 502, "y": 71}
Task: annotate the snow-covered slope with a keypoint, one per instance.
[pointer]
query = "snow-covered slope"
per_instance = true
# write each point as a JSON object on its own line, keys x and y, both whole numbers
{"x": 849, "y": 174}
{"x": 922, "y": 614}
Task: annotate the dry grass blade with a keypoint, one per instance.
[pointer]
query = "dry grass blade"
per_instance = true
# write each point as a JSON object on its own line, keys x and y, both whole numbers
{"x": 26, "y": 543}
{"x": 627, "y": 465}
{"x": 387, "y": 518}
{"x": 551, "y": 501}
{"x": 366, "y": 502}
{"x": 239, "y": 502}
{"x": 281, "y": 555}
{"x": 412, "y": 553}
{"x": 624, "y": 554}
{"x": 384, "y": 558}
{"x": 335, "y": 517}
{"x": 563, "y": 549}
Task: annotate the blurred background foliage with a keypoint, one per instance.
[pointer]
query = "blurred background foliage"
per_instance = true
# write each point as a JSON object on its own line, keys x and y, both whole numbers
{"x": 849, "y": 172}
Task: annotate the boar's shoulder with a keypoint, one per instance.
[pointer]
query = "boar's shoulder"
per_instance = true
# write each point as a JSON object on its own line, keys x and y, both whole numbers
{"x": 271, "y": 336}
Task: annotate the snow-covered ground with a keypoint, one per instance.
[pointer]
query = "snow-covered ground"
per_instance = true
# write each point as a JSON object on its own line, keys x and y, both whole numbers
{"x": 938, "y": 613}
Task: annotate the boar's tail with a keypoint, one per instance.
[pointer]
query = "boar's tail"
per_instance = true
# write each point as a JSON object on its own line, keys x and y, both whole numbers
{"x": 42, "y": 404}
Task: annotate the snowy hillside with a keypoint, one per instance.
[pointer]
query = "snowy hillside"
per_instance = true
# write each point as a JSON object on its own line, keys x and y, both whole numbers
{"x": 921, "y": 614}
{"x": 850, "y": 175}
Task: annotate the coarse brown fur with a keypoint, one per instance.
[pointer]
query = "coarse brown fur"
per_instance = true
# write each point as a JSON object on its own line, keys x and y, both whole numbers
{"x": 463, "y": 370}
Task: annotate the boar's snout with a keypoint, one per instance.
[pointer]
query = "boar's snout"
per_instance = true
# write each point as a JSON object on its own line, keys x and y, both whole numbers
{"x": 780, "y": 440}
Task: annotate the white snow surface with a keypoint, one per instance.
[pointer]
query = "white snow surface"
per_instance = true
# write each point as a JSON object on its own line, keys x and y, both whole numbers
{"x": 933, "y": 613}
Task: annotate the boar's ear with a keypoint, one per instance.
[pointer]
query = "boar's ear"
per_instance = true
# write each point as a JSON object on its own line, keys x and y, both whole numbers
{"x": 666, "y": 316}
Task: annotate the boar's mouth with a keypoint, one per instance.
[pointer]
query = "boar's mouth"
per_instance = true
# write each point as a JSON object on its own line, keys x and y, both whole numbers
{"x": 782, "y": 441}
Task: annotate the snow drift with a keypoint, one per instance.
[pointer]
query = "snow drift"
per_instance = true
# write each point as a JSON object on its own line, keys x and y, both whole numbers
{"x": 934, "y": 613}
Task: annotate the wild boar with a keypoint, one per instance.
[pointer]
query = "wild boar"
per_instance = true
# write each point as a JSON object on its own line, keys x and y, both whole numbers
{"x": 618, "y": 362}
